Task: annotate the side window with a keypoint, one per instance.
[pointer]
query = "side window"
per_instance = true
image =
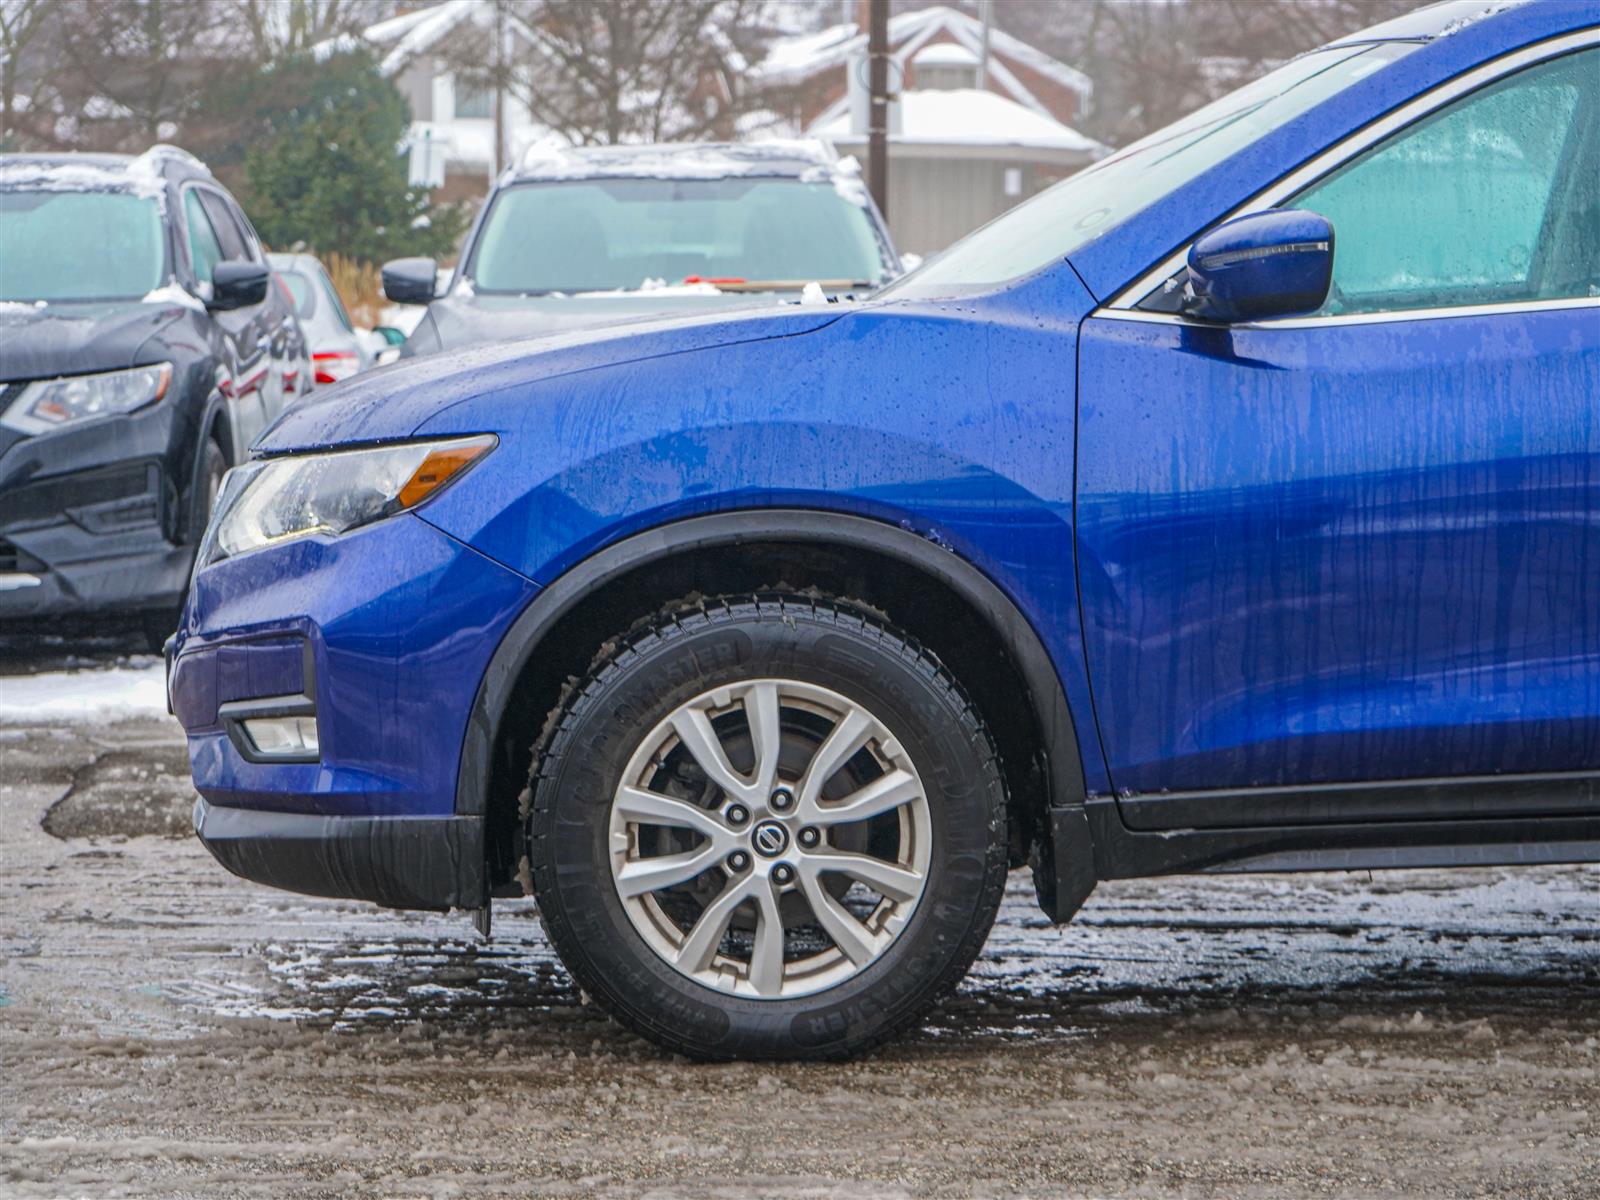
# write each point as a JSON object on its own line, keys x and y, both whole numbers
{"x": 222, "y": 221}
{"x": 334, "y": 300}
{"x": 1491, "y": 200}
{"x": 205, "y": 252}
{"x": 252, "y": 239}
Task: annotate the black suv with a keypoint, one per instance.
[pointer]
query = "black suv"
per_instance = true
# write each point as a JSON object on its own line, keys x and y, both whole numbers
{"x": 143, "y": 345}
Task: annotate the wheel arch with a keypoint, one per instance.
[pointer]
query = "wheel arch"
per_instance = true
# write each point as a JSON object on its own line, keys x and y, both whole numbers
{"x": 1001, "y": 659}
{"x": 215, "y": 424}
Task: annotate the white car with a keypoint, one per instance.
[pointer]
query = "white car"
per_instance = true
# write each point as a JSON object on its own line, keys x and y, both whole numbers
{"x": 338, "y": 348}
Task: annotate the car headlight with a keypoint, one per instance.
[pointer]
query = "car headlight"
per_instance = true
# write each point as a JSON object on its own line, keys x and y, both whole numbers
{"x": 48, "y": 404}
{"x": 279, "y": 499}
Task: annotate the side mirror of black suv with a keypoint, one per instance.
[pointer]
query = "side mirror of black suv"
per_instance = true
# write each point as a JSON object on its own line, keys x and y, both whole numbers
{"x": 238, "y": 285}
{"x": 410, "y": 280}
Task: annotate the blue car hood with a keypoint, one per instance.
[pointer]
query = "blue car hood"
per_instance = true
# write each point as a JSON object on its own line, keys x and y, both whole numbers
{"x": 394, "y": 401}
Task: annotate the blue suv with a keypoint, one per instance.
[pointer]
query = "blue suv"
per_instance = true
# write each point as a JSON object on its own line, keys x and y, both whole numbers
{"x": 1229, "y": 507}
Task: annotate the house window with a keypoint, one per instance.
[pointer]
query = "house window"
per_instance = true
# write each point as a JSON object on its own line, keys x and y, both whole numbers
{"x": 473, "y": 100}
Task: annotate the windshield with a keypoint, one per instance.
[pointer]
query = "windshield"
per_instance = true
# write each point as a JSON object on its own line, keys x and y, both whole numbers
{"x": 598, "y": 235}
{"x": 79, "y": 246}
{"x": 1060, "y": 219}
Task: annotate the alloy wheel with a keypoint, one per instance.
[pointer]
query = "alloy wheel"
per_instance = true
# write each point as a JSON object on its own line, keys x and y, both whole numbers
{"x": 770, "y": 839}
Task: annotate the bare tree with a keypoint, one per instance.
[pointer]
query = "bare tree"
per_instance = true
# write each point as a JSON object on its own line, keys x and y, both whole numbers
{"x": 275, "y": 29}
{"x": 133, "y": 71}
{"x": 622, "y": 70}
{"x": 1155, "y": 60}
{"x": 24, "y": 25}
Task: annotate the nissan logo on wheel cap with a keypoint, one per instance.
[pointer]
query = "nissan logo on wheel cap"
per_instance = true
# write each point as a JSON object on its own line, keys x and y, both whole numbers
{"x": 770, "y": 839}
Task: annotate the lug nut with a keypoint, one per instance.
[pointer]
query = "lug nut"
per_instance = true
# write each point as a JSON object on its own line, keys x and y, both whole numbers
{"x": 810, "y": 838}
{"x": 783, "y": 873}
{"x": 739, "y": 860}
{"x": 782, "y": 800}
{"x": 737, "y": 814}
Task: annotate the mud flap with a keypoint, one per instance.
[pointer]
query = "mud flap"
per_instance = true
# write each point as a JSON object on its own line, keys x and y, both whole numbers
{"x": 1063, "y": 868}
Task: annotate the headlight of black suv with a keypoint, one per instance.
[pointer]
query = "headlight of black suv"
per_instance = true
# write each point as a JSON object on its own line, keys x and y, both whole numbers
{"x": 48, "y": 404}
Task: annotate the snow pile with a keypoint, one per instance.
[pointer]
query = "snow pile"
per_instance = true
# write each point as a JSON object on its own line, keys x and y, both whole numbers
{"x": 404, "y": 317}
{"x": 172, "y": 292}
{"x": 136, "y": 690}
{"x": 845, "y": 175}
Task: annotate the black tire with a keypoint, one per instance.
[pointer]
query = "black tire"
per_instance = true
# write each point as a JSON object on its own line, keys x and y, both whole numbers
{"x": 207, "y": 482}
{"x": 157, "y": 626}
{"x": 640, "y": 678}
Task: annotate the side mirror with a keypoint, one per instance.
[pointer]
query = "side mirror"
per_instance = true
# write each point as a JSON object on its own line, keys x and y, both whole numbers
{"x": 390, "y": 335}
{"x": 238, "y": 285}
{"x": 410, "y": 280}
{"x": 1267, "y": 264}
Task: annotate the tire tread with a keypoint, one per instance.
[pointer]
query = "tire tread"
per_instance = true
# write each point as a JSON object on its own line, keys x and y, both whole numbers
{"x": 680, "y": 619}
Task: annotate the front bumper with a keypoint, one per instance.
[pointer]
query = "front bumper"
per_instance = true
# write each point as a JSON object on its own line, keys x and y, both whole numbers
{"x": 90, "y": 557}
{"x": 129, "y": 583}
{"x": 402, "y": 862}
{"x": 381, "y": 636}
{"x": 93, "y": 519}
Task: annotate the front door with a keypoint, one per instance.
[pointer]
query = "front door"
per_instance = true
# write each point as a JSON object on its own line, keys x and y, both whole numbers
{"x": 1364, "y": 546}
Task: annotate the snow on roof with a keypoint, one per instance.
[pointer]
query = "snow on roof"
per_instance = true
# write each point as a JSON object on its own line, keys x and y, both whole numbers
{"x": 394, "y": 27}
{"x": 946, "y": 54}
{"x": 412, "y": 33}
{"x": 790, "y": 60}
{"x": 967, "y": 117}
{"x": 87, "y": 172}
{"x": 418, "y": 35}
{"x": 681, "y": 160}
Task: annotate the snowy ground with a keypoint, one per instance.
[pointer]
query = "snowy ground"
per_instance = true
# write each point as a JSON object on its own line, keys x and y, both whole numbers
{"x": 167, "y": 1030}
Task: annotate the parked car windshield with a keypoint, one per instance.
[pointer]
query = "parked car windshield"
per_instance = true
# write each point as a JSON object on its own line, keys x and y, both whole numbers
{"x": 57, "y": 245}
{"x": 598, "y": 235}
{"x": 1060, "y": 219}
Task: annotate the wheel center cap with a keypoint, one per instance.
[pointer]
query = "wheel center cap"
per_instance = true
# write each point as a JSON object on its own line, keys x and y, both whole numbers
{"x": 770, "y": 839}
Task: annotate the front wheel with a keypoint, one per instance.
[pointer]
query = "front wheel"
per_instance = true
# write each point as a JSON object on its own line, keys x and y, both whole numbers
{"x": 767, "y": 828}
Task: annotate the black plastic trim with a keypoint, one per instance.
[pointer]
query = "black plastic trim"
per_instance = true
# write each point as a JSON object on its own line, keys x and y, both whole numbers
{"x": 1575, "y": 793}
{"x": 1123, "y": 853}
{"x": 431, "y": 863}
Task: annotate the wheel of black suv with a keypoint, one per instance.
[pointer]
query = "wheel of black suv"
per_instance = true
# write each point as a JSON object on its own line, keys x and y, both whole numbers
{"x": 207, "y": 484}
{"x": 158, "y": 625}
{"x": 768, "y": 827}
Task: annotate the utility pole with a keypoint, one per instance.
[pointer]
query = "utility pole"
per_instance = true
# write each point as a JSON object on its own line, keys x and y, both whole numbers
{"x": 878, "y": 103}
{"x": 500, "y": 57}
{"x": 986, "y": 12}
